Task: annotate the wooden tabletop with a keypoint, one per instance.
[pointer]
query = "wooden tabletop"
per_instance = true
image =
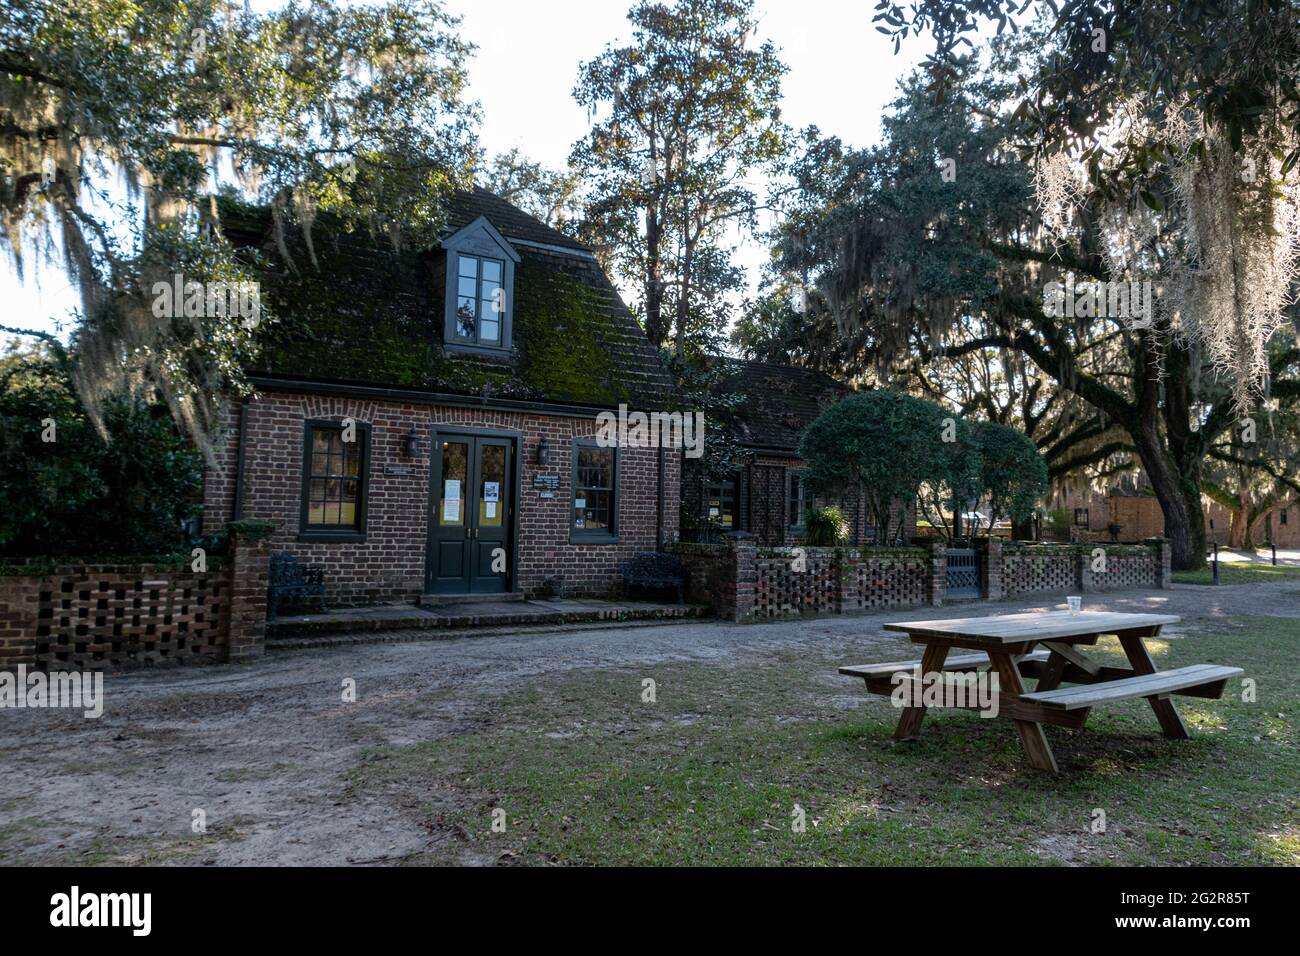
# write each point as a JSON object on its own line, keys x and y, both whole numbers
{"x": 1019, "y": 628}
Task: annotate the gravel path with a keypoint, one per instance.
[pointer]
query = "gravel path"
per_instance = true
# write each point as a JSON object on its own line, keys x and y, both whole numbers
{"x": 264, "y": 750}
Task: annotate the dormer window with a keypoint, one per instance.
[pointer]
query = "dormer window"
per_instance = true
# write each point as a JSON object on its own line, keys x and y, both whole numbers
{"x": 480, "y": 289}
{"x": 480, "y": 299}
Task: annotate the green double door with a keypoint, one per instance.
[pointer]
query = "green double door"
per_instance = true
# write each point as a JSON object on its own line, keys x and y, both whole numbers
{"x": 471, "y": 519}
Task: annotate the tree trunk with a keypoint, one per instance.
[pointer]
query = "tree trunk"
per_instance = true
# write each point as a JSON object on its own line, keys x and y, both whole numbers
{"x": 1172, "y": 461}
{"x": 654, "y": 294}
{"x": 684, "y": 299}
{"x": 1239, "y": 530}
{"x": 1184, "y": 525}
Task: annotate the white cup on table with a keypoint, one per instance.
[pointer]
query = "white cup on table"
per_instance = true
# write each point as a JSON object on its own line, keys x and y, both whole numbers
{"x": 1075, "y": 603}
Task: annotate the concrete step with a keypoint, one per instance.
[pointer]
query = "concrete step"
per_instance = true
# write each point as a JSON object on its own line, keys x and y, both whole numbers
{"x": 484, "y": 615}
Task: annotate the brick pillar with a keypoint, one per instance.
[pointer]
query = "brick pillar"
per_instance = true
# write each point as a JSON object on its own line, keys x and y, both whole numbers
{"x": 938, "y": 572}
{"x": 1085, "y": 575}
{"x": 991, "y": 571}
{"x": 19, "y": 606}
{"x": 742, "y": 559}
{"x": 1164, "y": 556}
{"x": 250, "y": 556}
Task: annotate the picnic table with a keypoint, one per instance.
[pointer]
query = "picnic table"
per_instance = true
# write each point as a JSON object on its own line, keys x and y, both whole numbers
{"x": 1047, "y": 648}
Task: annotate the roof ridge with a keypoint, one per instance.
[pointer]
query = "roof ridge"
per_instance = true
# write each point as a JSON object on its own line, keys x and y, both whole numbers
{"x": 471, "y": 202}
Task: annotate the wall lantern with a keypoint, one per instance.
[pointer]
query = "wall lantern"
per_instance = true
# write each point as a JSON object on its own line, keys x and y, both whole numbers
{"x": 412, "y": 444}
{"x": 543, "y": 452}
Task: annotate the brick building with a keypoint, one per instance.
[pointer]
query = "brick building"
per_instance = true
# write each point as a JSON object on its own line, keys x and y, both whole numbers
{"x": 766, "y": 494}
{"x": 425, "y": 420}
{"x": 1140, "y": 517}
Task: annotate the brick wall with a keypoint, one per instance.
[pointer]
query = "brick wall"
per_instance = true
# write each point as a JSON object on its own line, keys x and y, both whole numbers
{"x": 389, "y": 565}
{"x": 745, "y": 582}
{"x": 712, "y": 576}
{"x": 1040, "y": 569}
{"x": 74, "y": 617}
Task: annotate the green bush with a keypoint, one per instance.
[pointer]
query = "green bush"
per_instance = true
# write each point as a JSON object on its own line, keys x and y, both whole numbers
{"x": 826, "y": 528}
{"x": 893, "y": 448}
{"x": 65, "y": 490}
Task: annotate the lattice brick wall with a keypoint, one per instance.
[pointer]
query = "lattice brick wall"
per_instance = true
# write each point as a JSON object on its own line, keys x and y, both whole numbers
{"x": 890, "y": 582}
{"x": 1033, "y": 573}
{"x": 1127, "y": 571}
{"x": 833, "y": 585}
{"x": 105, "y": 616}
{"x": 781, "y": 591}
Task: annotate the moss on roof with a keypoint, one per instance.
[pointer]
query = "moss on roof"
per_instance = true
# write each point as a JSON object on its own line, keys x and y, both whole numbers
{"x": 368, "y": 313}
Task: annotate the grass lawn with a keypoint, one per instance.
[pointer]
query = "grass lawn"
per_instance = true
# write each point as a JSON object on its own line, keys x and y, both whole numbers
{"x": 1238, "y": 572}
{"x": 710, "y": 774}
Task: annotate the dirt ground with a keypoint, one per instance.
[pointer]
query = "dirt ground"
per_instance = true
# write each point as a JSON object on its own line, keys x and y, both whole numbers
{"x": 265, "y": 750}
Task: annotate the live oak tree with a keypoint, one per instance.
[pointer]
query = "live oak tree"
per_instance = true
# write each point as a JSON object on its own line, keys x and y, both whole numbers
{"x": 690, "y": 111}
{"x": 1252, "y": 473}
{"x": 316, "y": 107}
{"x": 933, "y": 247}
{"x": 1129, "y": 107}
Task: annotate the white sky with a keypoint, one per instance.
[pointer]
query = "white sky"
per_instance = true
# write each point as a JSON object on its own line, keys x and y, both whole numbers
{"x": 842, "y": 72}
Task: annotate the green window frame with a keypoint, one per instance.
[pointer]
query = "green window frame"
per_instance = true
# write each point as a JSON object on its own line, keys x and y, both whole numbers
{"x": 593, "y": 515}
{"x": 335, "y": 481}
{"x": 479, "y": 280}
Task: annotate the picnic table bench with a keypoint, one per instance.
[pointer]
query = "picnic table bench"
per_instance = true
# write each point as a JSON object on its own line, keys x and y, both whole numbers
{"x": 1046, "y": 648}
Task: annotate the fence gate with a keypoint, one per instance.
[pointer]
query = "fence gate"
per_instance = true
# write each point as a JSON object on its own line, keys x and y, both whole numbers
{"x": 963, "y": 573}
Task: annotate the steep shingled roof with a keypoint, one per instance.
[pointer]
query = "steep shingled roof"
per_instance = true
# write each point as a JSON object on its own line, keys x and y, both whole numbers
{"x": 508, "y": 219}
{"x": 777, "y": 401}
{"x": 369, "y": 314}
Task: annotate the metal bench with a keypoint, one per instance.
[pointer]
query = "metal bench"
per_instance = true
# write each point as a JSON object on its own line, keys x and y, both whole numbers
{"x": 1196, "y": 680}
{"x": 288, "y": 577}
{"x": 654, "y": 569}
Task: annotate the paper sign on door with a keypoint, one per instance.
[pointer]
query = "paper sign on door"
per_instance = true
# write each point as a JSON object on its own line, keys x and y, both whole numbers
{"x": 451, "y": 500}
{"x": 491, "y": 491}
